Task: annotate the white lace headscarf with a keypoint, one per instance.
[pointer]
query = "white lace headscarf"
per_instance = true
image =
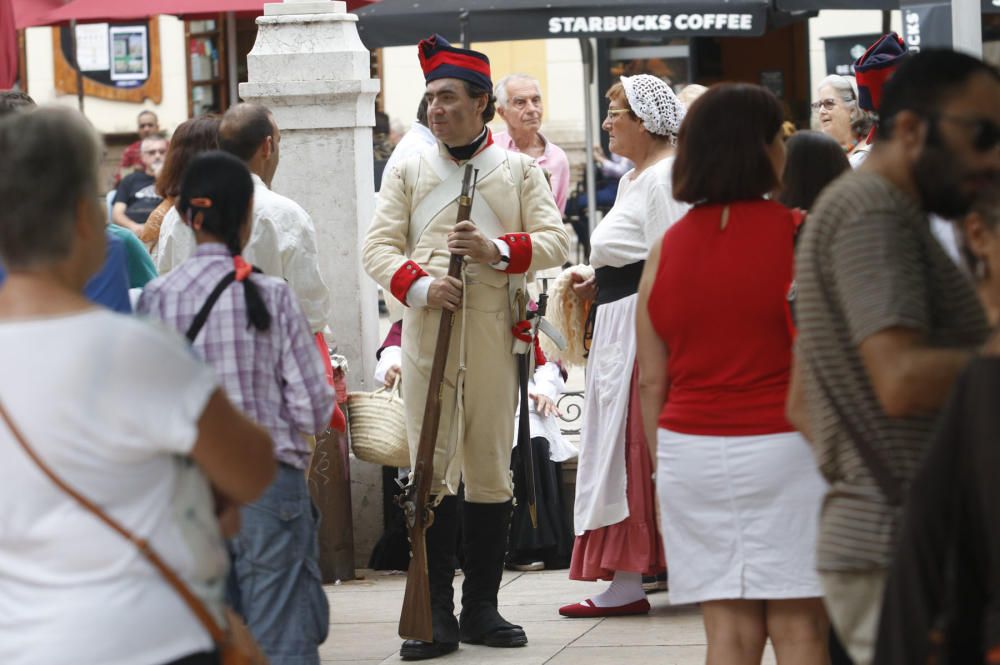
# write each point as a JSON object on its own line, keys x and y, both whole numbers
{"x": 655, "y": 104}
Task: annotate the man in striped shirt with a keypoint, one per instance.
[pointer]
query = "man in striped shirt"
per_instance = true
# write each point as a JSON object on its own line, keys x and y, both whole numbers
{"x": 887, "y": 321}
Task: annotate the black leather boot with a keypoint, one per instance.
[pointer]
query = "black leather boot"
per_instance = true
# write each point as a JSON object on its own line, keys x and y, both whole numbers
{"x": 484, "y": 537}
{"x": 442, "y": 544}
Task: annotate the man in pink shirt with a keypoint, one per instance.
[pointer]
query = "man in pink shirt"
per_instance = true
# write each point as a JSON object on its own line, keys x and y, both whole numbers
{"x": 519, "y": 103}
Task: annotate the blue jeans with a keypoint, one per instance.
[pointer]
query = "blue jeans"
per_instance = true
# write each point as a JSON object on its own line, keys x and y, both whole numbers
{"x": 275, "y": 581}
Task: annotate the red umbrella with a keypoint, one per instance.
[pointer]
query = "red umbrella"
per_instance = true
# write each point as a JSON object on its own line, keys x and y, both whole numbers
{"x": 8, "y": 45}
{"x": 122, "y": 10}
{"x": 14, "y": 15}
{"x": 31, "y": 12}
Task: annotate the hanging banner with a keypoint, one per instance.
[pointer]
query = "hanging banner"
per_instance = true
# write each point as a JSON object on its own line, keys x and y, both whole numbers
{"x": 926, "y": 25}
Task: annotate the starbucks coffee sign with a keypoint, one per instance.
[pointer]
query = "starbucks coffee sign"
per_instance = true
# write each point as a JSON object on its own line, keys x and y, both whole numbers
{"x": 701, "y": 23}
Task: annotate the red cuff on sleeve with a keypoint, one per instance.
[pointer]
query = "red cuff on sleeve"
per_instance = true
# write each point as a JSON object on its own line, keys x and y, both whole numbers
{"x": 520, "y": 252}
{"x": 404, "y": 278}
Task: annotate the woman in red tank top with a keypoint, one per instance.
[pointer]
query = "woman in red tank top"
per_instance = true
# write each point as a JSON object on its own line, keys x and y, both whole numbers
{"x": 738, "y": 489}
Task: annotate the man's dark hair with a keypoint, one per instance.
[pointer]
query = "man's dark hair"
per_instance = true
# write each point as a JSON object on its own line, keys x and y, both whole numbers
{"x": 15, "y": 100}
{"x": 422, "y": 111}
{"x": 244, "y": 127}
{"x": 744, "y": 118}
{"x": 924, "y": 82}
{"x": 491, "y": 101}
{"x": 813, "y": 161}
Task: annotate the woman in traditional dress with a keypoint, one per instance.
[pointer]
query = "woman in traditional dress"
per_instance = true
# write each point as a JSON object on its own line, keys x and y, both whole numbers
{"x": 615, "y": 514}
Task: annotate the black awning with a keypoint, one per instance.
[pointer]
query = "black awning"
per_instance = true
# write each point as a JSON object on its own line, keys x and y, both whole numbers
{"x": 989, "y": 6}
{"x": 400, "y": 22}
{"x": 814, "y": 5}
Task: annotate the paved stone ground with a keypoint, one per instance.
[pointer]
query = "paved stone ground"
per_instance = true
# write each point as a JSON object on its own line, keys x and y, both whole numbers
{"x": 364, "y": 615}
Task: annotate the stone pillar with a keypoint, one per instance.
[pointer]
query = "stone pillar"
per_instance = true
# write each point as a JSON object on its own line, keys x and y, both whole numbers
{"x": 309, "y": 67}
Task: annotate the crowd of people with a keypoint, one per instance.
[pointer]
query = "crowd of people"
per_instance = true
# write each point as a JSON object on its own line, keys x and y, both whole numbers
{"x": 788, "y": 350}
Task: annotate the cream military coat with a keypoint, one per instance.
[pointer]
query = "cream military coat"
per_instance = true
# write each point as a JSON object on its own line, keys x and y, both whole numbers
{"x": 480, "y": 392}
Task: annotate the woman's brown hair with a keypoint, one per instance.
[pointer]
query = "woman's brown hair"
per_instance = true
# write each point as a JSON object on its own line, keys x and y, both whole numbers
{"x": 191, "y": 138}
{"x": 722, "y": 148}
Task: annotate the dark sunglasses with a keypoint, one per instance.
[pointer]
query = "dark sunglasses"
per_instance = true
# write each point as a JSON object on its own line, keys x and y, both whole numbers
{"x": 985, "y": 132}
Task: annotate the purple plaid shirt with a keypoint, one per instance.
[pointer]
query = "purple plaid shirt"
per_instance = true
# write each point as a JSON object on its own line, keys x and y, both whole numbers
{"x": 275, "y": 377}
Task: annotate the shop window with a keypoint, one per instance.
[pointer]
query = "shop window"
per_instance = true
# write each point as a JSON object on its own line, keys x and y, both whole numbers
{"x": 208, "y": 87}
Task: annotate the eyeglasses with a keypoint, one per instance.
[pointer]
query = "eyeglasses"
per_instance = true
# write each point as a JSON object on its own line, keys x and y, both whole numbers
{"x": 829, "y": 104}
{"x": 985, "y": 132}
{"x": 614, "y": 113}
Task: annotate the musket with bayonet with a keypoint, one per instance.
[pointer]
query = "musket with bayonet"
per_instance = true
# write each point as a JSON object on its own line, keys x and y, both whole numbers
{"x": 415, "y": 618}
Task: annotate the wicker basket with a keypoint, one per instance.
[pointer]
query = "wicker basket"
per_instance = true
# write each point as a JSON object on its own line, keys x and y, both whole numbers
{"x": 378, "y": 427}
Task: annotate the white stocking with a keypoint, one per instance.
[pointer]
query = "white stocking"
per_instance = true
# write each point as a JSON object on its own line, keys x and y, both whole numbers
{"x": 625, "y": 588}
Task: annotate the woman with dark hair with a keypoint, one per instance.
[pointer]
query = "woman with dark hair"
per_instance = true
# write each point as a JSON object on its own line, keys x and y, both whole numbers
{"x": 191, "y": 138}
{"x": 738, "y": 488}
{"x": 615, "y": 508}
{"x": 813, "y": 160}
{"x": 250, "y": 329}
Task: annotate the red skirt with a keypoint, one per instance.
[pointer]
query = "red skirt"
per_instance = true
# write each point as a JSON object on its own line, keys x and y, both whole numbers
{"x": 634, "y": 544}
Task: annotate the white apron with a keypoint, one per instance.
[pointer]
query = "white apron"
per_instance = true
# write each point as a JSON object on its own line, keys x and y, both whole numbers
{"x": 600, "y": 479}
{"x": 643, "y": 210}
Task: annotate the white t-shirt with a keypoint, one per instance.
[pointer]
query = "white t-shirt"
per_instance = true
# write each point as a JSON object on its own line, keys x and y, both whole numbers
{"x": 111, "y": 404}
{"x": 643, "y": 210}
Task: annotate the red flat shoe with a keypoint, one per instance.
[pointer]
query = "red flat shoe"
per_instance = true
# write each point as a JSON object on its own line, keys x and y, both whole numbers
{"x": 587, "y": 609}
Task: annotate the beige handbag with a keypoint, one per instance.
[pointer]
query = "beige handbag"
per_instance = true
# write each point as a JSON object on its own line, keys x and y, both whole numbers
{"x": 378, "y": 427}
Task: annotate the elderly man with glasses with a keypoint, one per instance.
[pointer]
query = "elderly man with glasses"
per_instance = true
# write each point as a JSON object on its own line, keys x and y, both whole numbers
{"x": 147, "y": 124}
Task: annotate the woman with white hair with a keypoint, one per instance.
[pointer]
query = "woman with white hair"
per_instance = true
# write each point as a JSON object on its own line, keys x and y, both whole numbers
{"x": 841, "y": 118}
{"x": 615, "y": 514}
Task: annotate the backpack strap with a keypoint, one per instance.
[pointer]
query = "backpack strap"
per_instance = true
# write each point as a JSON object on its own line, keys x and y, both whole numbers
{"x": 202, "y": 316}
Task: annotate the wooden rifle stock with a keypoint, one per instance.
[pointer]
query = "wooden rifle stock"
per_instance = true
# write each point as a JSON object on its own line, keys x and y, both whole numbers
{"x": 415, "y": 618}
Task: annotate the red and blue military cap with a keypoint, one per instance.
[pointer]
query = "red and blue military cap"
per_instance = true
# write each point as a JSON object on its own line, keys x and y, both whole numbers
{"x": 440, "y": 60}
{"x": 875, "y": 67}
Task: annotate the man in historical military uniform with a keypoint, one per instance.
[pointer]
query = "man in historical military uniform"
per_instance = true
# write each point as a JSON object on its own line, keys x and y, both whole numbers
{"x": 515, "y": 228}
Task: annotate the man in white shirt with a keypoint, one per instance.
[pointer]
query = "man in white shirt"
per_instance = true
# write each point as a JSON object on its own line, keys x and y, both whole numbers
{"x": 283, "y": 239}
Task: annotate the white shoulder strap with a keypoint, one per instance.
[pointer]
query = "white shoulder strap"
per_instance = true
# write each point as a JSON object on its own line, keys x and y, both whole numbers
{"x": 448, "y": 190}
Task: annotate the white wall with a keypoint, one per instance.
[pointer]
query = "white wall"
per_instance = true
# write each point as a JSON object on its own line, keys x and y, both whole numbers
{"x": 111, "y": 116}
{"x": 564, "y": 98}
{"x": 402, "y": 83}
{"x": 841, "y": 23}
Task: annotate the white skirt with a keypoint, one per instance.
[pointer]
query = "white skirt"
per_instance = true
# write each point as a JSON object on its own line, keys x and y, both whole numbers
{"x": 739, "y": 516}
